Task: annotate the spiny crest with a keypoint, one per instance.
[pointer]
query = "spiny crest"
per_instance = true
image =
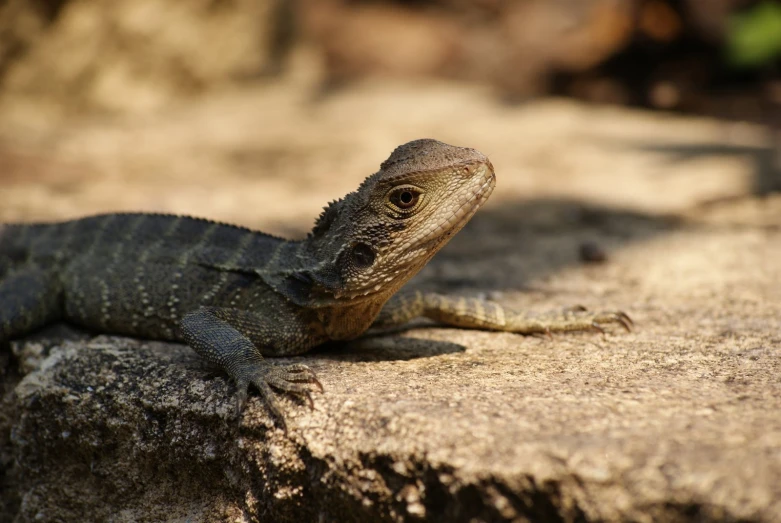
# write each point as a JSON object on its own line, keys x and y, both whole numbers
{"x": 343, "y": 208}
{"x": 327, "y": 216}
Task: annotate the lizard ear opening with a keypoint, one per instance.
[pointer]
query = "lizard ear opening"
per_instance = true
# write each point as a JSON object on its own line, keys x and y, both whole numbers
{"x": 362, "y": 256}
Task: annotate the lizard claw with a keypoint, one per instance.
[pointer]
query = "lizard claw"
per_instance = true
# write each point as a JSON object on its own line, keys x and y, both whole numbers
{"x": 596, "y": 327}
{"x": 241, "y": 398}
{"x": 268, "y": 397}
{"x": 271, "y": 403}
{"x": 315, "y": 381}
{"x": 575, "y": 320}
{"x": 625, "y": 321}
{"x": 301, "y": 373}
{"x": 296, "y": 379}
{"x": 619, "y": 317}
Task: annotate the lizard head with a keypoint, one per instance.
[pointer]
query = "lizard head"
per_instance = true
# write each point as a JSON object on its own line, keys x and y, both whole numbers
{"x": 375, "y": 239}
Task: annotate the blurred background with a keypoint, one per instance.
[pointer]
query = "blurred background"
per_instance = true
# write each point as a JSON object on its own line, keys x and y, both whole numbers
{"x": 259, "y": 111}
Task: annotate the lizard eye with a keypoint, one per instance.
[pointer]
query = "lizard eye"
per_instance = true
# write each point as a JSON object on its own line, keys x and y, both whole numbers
{"x": 404, "y": 197}
{"x": 362, "y": 256}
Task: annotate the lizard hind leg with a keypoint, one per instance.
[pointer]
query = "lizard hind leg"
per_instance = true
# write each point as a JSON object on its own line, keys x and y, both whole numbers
{"x": 30, "y": 298}
{"x": 473, "y": 313}
{"x": 222, "y": 337}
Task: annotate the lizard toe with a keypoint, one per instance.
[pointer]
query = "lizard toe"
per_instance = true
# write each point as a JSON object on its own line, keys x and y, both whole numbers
{"x": 297, "y": 389}
{"x": 301, "y": 381}
{"x": 300, "y": 374}
{"x": 595, "y": 326}
{"x": 261, "y": 382}
{"x": 619, "y": 317}
{"x": 241, "y": 397}
{"x": 269, "y": 398}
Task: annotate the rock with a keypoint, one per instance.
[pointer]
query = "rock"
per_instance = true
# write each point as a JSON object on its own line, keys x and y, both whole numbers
{"x": 134, "y": 55}
{"x": 509, "y": 429}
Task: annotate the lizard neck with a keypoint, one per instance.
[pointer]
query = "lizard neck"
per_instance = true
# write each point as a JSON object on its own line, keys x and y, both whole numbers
{"x": 345, "y": 322}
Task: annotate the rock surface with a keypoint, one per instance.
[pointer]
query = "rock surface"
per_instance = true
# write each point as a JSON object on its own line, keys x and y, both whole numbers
{"x": 677, "y": 421}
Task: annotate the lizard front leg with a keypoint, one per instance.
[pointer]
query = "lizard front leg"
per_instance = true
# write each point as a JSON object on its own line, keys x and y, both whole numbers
{"x": 473, "y": 313}
{"x": 232, "y": 339}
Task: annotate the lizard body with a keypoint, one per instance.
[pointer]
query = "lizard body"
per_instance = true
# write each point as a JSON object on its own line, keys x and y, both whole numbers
{"x": 237, "y": 295}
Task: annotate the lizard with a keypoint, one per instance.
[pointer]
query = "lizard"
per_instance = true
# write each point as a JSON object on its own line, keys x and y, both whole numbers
{"x": 236, "y": 295}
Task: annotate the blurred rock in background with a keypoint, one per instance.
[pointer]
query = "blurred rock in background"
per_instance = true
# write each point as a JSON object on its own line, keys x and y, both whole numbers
{"x": 137, "y": 54}
{"x": 134, "y": 54}
{"x": 513, "y": 45}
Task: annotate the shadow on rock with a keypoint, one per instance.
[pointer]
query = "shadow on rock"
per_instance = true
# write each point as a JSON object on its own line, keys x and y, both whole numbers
{"x": 506, "y": 247}
{"x": 386, "y": 346}
{"x": 765, "y": 160}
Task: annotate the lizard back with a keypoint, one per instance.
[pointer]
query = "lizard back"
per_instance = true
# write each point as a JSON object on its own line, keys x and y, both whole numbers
{"x": 139, "y": 273}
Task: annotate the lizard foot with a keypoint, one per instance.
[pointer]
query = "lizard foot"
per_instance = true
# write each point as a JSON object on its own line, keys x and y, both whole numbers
{"x": 296, "y": 379}
{"x": 578, "y": 318}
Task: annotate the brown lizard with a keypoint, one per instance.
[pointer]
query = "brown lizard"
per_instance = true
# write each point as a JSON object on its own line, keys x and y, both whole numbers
{"x": 237, "y": 295}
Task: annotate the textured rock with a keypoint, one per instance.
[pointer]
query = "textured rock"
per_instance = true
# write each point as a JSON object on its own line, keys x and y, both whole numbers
{"x": 676, "y": 422}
